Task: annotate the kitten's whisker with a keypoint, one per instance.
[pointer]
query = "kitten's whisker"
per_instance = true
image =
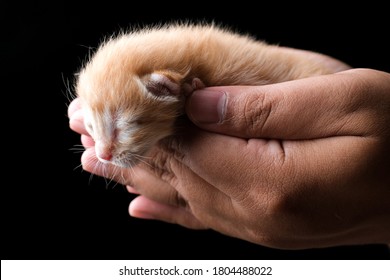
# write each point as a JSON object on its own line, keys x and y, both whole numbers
{"x": 69, "y": 95}
{"x": 95, "y": 166}
{"x": 116, "y": 171}
{"x": 132, "y": 164}
{"x": 122, "y": 174}
{"x": 78, "y": 166}
{"x": 77, "y": 149}
{"x": 133, "y": 173}
{"x": 143, "y": 159}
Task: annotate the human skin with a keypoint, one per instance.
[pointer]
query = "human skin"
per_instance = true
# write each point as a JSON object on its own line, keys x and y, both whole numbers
{"x": 299, "y": 164}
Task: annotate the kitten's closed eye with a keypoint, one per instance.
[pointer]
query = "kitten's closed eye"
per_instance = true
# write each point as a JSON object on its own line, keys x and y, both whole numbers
{"x": 89, "y": 126}
{"x": 139, "y": 122}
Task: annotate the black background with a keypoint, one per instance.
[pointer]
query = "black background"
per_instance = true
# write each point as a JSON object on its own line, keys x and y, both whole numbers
{"x": 50, "y": 208}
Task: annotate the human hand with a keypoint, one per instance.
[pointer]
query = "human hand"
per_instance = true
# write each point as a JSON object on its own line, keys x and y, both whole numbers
{"x": 299, "y": 164}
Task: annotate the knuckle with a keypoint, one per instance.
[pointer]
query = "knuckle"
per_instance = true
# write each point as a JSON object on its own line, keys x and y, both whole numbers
{"x": 286, "y": 199}
{"x": 178, "y": 200}
{"x": 364, "y": 102}
{"x": 256, "y": 110}
{"x": 164, "y": 163}
{"x": 276, "y": 213}
{"x": 290, "y": 216}
{"x": 161, "y": 165}
{"x": 162, "y": 158}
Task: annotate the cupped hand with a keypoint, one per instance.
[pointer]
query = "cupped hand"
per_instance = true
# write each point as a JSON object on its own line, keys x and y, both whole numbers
{"x": 298, "y": 164}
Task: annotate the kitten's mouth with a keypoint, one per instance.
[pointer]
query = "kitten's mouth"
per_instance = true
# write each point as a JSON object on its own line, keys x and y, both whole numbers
{"x": 127, "y": 160}
{"x": 120, "y": 163}
{"x": 125, "y": 164}
{"x": 104, "y": 161}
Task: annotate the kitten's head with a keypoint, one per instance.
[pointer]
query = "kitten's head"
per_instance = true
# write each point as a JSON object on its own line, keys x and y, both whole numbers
{"x": 126, "y": 113}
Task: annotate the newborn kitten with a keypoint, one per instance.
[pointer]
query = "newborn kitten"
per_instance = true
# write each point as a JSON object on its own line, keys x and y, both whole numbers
{"x": 133, "y": 88}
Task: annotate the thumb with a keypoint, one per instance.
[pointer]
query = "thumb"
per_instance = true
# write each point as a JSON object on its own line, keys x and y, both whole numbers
{"x": 308, "y": 108}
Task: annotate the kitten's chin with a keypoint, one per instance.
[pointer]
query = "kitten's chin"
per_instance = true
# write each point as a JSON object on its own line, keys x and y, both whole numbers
{"x": 129, "y": 163}
{"x": 119, "y": 163}
{"x": 128, "y": 158}
{"x": 125, "y": 164}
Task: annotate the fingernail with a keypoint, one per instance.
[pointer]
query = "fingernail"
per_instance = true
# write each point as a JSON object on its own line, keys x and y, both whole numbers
{"x": 207, "y": 106}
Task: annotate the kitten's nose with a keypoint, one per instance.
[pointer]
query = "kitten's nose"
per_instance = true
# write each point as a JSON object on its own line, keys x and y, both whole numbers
{"x": 104, "y": 156}
{"x": 103, "y": 152}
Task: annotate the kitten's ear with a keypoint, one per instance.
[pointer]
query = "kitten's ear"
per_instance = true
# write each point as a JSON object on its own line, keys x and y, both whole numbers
{"x": 163, "y": 83}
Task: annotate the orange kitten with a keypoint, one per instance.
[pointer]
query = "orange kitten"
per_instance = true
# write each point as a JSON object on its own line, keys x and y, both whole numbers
{"x": 133, "y": 88}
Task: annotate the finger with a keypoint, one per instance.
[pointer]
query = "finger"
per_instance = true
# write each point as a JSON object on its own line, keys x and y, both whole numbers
{"x": 143, "y": 179}
{"x": 317, "y": 107}
{"x": 169, "y": 182}
{"x": 155, "y": 185}
{"x": 228, "y": 163}
{"x": 74, "y": 106}
{"x": 270, "y": 165}
{"x": 145, "y": 208}
{"x": 87, "y": 141}
{"x": 76, "y": 122}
